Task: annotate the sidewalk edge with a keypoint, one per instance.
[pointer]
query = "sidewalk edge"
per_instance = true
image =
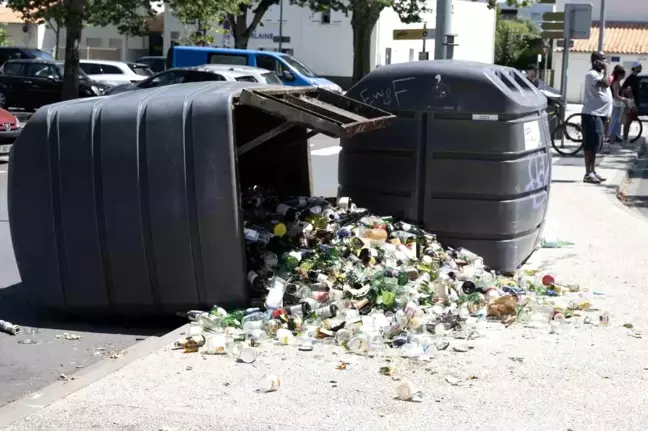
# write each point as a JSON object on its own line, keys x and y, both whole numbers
{"x": 41, "y": 399}
{"x": 625, "y": 188}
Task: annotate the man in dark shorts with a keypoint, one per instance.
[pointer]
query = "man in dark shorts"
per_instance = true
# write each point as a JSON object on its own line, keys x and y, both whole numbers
{"x": 631, "y": 82}
{"x": 597, "y": 108}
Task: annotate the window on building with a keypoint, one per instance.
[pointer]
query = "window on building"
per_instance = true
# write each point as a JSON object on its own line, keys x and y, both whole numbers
{"x": 175, "y": 35}
{"x": 325, "y": 16}
{"x": 115, "y": 43}
{"x": 93, "y": 42}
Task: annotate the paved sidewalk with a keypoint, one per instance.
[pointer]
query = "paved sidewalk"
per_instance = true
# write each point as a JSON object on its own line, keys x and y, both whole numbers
{"x": 592, "y": 378}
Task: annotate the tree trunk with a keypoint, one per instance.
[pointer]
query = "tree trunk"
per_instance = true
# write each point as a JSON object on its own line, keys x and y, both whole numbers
{"x": 58, "y": 41}
{"x": 239, "y": 30}
{"x": 73, "y": 28}
{"x": 363, "y": 22}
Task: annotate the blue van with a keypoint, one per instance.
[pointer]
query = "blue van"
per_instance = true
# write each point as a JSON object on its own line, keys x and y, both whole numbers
{"x": 290, "y": 70}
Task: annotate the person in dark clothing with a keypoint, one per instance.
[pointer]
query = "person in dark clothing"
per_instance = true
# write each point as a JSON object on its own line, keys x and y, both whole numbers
{"x": 532, "y": 74}
{"x": 631, "y": 82}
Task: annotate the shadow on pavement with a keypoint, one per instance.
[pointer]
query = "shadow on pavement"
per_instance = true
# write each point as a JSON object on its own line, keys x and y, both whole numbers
{"x": 636, "y": 201}
{"x": 16, "y": 308}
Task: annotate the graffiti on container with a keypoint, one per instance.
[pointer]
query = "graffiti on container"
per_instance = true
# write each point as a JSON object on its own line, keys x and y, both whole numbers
{"x": 386, "y": 97}
{"x": 439, "y": 89}
{"x": 539, "y": 174}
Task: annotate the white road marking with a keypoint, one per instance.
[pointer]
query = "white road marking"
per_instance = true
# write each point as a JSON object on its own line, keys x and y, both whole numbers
{"x": 329, "y": 151}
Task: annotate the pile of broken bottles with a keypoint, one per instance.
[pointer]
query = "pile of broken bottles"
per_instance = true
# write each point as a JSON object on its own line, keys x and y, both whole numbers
{"x": 323, "y": 270}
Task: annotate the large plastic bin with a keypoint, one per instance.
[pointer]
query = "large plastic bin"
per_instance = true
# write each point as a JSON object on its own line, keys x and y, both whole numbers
{"x": 130, "y": 203}
{"x": 468, "y": 155}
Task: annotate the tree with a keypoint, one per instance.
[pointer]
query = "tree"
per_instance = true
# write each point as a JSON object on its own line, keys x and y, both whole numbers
{"x": 4, "y": 40}
{"x": 203, "y": 14}
{"x": 517, "y": 43}
{"x": 129, "y": 16}
{"x": 238, "y": 20}
{"x": 50, "y": 12}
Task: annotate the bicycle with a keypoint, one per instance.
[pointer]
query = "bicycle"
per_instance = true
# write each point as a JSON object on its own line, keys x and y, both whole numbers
{"x": 571, "y": 132}
{"x": 635, "y": 126}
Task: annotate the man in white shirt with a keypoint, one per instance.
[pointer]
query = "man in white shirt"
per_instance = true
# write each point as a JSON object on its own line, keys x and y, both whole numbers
{"x": 597, "y": 108}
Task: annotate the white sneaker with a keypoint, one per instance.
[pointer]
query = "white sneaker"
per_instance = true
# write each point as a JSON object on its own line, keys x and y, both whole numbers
{"x": 591, "y": 178}
{"x": 600, "y": 178}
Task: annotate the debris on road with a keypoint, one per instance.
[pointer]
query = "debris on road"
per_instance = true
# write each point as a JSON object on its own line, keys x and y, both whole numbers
{"x": 270, "y": 383}
{"x": 71, "y": 337}
{"x": 324, "y": 275}
{"x": 10, "y": 328}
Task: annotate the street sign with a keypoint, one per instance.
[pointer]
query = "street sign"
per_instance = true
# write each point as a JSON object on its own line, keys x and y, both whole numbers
{"x": 554, "y": 34}
{"x": 424, "y": 56}
{"x": 282, "y": 39}
{"x": 413, "y": 34}
{"x": 578, "y": 20}
{"x": 561, "y": 43}
{"x": 552, "y": 25}
{"x": 553, "y": 16}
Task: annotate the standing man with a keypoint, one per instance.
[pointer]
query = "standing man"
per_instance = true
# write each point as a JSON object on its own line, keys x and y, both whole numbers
{"x": 532, "y": 74}
{"x": 631, "y": 82}
{"x": 597, "y": 108}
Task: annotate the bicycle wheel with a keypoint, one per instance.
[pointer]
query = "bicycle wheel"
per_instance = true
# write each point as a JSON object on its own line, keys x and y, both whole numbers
{"x": 567, "y": 147}
{"x": 636, "y": 130}
{"x": 574, "y": 119}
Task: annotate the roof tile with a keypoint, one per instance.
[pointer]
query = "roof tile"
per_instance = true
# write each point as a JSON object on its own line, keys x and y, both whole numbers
{"x": 620, "y": 38}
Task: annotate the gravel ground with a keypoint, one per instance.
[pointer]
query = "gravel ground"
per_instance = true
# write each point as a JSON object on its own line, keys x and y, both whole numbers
{"x": 513, "y": 379}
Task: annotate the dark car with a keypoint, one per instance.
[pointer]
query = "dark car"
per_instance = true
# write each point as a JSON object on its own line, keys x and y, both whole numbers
{"x": 155, "y": 63}
{"x": 17, "y": 53}
{"x": 181, "y": 75}
{"x": 30, "y": 84}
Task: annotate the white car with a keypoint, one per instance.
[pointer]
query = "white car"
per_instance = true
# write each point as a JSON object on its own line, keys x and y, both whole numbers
{"x": 263, "y": 76}
{"x": 115, "y": 72}
{"x": 181, "y": 75}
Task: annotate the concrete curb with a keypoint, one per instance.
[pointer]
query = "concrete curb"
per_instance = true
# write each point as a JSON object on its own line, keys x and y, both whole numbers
{"x": 627, "y": 186}
{"x": 36, "y": 401}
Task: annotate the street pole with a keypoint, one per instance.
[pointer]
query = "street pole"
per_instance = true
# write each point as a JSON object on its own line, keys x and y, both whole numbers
{"x": 424, "y": 36}
{"x": 280, "y": 24}
{"x": 601, "y": 26}
{"x": 443, "y": 29}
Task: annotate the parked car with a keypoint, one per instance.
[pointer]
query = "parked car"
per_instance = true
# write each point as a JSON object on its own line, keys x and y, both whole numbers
{"x": 155, "y": 63}
{"x": 192, "y": 74}
{"x": 9, "y": 131}
{"x": 115, "y": 72}
{"x": 261, "y": 75}
{"x": 30, "y": 84}
{"x": 17, "y": 53}
{"x": 290, "y": 70}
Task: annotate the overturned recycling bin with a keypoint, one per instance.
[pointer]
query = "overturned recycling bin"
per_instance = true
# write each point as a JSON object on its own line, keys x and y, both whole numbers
{"x": 468, "y": 156}
{"x": 130, "y": 204}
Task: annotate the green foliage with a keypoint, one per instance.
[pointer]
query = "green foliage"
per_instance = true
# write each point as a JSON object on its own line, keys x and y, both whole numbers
{"x": 203, "y": 14}
{"x": 129, "y": 16}
{"x": 40, "y": 11}
{"x": 517, "y": 43}
{"x": 4, "y": 40}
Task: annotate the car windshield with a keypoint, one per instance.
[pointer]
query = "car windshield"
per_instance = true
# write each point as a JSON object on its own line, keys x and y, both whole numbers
{"x": 82, "y": 74}
{"x": 272, "y": 78}
{"x": 37, "y": 53}
{"x": 140, "y": 69}
{"x": 298, "y": 66}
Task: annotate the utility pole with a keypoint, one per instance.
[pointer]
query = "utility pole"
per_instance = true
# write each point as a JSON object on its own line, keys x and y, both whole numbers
{"x": 280, "y": 24}
{"x": 601, "y": 26}
{"x": 443, "y": 30}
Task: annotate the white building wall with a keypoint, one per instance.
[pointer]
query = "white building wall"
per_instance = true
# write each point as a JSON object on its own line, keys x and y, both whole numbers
{"x": 579, "y": 64}
{"x": 473, "y": 23}
{"x": 328, "y": 48}
{"x": 19, "y": 37}
{"x": 615, "y": 10}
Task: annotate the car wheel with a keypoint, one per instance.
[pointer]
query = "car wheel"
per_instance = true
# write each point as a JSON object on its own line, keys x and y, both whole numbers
{"x": 3, "y": 100}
